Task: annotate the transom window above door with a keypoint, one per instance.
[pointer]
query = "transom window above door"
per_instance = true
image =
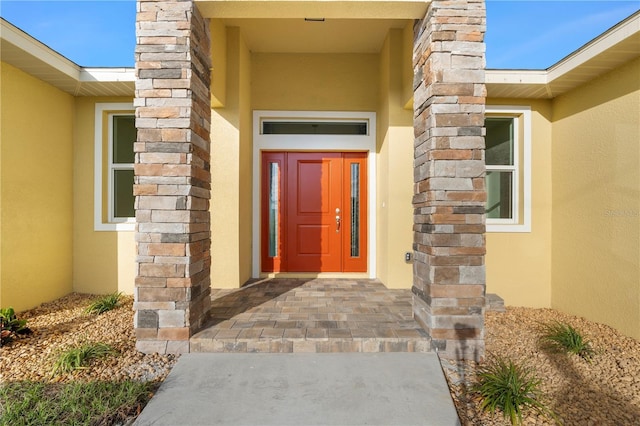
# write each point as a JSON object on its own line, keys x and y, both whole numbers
{"x": 315, "y": 128}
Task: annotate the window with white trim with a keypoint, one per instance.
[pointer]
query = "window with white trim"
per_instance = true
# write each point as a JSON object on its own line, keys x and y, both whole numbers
{"x": 115, "y": 134}
{"x": 122, "y": 135}
{"x": 508, "y": 162}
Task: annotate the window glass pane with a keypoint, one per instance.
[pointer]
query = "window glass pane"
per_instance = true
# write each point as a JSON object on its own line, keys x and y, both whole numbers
{"x": 123, "y": 199}
{"x": 499, "y": 141}
{"x": 355, "y": 210}
{"x": 274, "y": 192}
{"x": 499, "y": 194}
{"x": 124, "y": 135}
{"x": 313, "y": 128}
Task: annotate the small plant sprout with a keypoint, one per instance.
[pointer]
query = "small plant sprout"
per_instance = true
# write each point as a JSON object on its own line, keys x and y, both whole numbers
{"x": 79, "y": 357}
{"x": 561, "y": 337}
{"x": 10, "y": 325}
{"x": 511, "y": 388}
{"x": 104, "y": 303}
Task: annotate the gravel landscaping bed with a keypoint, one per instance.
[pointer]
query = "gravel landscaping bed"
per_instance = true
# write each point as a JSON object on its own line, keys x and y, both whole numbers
{"x": 63, "y": 324}
{"x": 605, "y": 391}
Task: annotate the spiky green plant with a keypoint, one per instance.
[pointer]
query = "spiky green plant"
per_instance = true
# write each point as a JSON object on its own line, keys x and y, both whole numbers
{"x": 104, "y": 303}
{"x": 509, "y": 387}
{"x": 562, "y": 337}
{"x": 79, "y": 357}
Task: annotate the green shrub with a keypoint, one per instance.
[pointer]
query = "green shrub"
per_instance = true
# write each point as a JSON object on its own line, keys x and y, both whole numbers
{"x": 10, "y": 325}
{"x": 561, "y": 337}
{"x": 104, "y": 303}
{"x": 80, "y": 356}
{"x": 512, "y": 388}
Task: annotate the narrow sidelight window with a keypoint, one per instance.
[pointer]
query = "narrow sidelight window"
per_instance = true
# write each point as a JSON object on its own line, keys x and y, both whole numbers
{"x": 274, "y": 190}
{"x": 355, "y": 210}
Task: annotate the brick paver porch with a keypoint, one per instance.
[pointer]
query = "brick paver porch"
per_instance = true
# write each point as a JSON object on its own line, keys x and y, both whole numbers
{"x": 311, "y": 315}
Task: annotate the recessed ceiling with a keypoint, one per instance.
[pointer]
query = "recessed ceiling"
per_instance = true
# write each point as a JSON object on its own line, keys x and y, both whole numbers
{"x": 328, "y": 36}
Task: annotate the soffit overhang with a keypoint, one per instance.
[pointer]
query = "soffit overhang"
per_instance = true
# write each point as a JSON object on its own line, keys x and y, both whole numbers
{"x": 328, "y": 9}
{"x": 19, "y": 49}
{"x": 315, "y": 26}
{"x": 329, "y": 36}
{"x": 605, "y": 53}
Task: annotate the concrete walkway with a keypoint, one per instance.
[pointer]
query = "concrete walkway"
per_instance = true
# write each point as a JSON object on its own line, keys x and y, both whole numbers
{"x": 303, "y": 389}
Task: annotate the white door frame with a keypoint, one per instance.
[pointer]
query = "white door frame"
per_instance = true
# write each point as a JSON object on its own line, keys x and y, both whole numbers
{"x": 341, "y": 143}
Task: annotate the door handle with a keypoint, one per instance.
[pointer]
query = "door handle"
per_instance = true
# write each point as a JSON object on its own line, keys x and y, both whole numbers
{"x": 338, "y": 223}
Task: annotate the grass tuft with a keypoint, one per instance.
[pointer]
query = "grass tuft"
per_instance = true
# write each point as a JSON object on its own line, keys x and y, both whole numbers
{"x": 76, "y": 403}
{"x": 80, "y": 356}
{"x": 104, "y": 303}
{"x": 509, "y": 387}
{"x": 561, "y": 337}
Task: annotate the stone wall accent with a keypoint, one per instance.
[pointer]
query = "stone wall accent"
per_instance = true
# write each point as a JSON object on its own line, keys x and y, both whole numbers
{"x": 172, "y": 174}
{"x": 449, "y": 170}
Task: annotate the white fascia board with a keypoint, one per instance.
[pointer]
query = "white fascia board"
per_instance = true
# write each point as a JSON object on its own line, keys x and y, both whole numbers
{"x": 535, "y": 77}
{"x": 39, "y": 50}
{"x": 106, "y": 75}
{"x": 595, "y": 47}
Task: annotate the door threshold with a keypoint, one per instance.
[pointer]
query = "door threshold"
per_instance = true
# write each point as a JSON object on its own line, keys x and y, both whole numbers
{"x": 353, "y": 275}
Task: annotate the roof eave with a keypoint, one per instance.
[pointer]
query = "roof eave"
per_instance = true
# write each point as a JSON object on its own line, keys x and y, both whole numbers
{"x": 606, "y": 52}
{"x": 35, "y": 58}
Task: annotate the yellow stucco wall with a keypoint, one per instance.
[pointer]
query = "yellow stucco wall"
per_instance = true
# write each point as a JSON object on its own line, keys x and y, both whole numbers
{"x": 231, "y": 171}
{"x": 382, "y": 166}
{"x": 519, "y": 263}
{"x": 36, "y": 172}
{"x": 218, "y": 62}
{"x": 245, "y": 168}
{"x": 596, "y": 200}
{"x": 314, "y": 82}
{"x": 103, "y": 261}
{"x": 395, "y": 174}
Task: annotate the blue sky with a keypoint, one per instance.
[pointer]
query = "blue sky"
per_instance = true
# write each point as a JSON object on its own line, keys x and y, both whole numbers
{"x": 520, "y": 34}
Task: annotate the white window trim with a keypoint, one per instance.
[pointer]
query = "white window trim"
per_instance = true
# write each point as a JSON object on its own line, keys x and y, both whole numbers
{"x": 314, "y": 143}
{"x": 516, "y": 224}
{"x": 114, "y": 224}
{"x": 515, "y": 178}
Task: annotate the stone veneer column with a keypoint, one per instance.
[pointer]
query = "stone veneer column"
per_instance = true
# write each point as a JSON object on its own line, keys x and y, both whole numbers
{"x": 172, "y": 175}
{"x": 449, "y": 170}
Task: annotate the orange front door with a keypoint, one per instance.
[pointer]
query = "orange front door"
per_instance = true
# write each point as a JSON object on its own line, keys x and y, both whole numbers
{"x": 314, "y": 201}
{"x": 314, "y": 212}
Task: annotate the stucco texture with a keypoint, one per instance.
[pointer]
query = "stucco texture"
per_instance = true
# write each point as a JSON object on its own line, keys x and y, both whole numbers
{"x": 231, "y": 169}
{"x": 394, "y": 157}
{"x": 519, "y": 263}
{"x": 103, "y": 261}
{"x": 36, "y": 190}
{"x": 596, "y": 200}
